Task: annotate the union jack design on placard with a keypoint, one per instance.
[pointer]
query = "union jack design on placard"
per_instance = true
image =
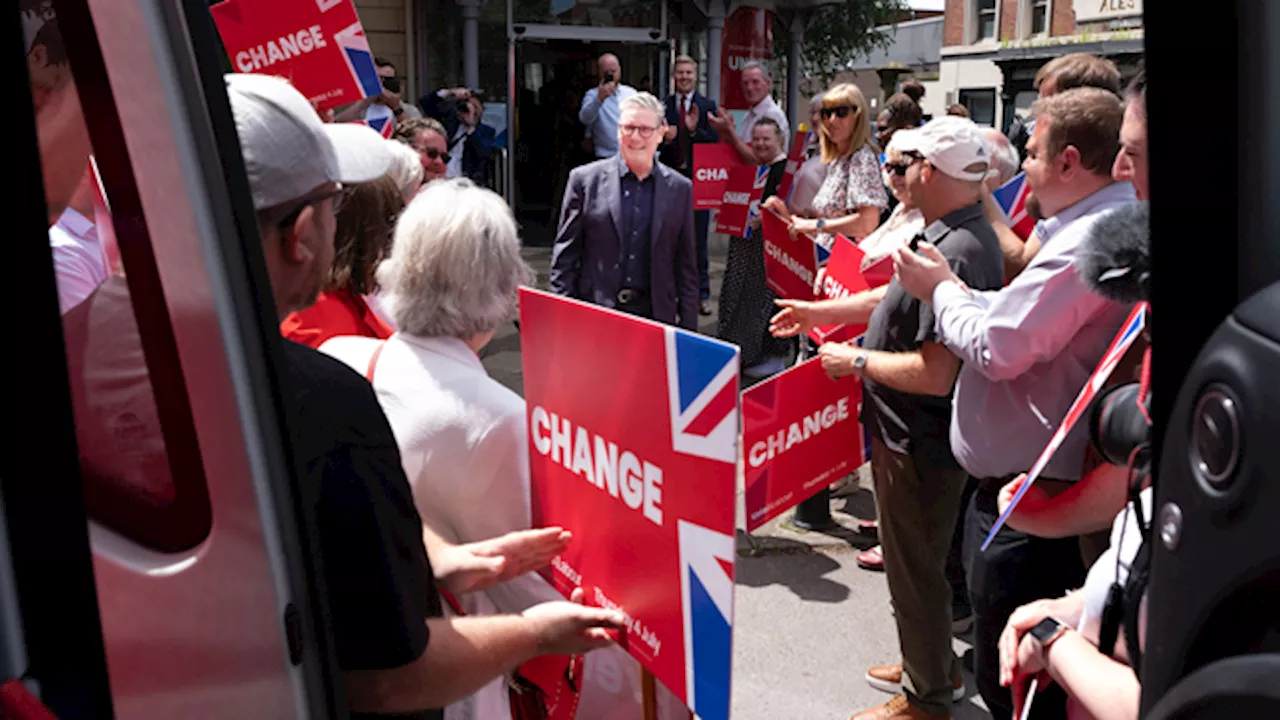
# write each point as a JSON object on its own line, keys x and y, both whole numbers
{"x": 381, "y": 119}
{"x": 355, "y": 49}
{"x": 757, "y": 190}
{"x": 702, "y": 383}
{"x": 706, "y": 591}
{"x": 1012, "y": 198}
{"x": 1124, "y": 339}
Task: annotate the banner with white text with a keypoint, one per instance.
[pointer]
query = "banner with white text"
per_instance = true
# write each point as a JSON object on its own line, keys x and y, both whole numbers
{"x": 712, "y": 163}
{"x": 800, "y": 434}
{"x": 318, "y": 45}
{"x": 633, "y": 437}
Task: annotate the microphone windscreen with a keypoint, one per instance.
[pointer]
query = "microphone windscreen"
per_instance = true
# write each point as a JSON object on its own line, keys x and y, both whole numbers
{"x": 1115, "y": 259}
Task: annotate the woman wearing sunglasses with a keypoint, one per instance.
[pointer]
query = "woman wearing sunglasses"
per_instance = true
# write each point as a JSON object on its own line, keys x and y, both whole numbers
{"x": 852, "y": 194}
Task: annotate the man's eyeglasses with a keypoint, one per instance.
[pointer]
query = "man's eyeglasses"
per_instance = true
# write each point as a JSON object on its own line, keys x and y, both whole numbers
{"x": 645, "y": 131}
{"x": 433, "y": 154}
{"x": 336, "y": 193}
{"x": 840, "y": 112}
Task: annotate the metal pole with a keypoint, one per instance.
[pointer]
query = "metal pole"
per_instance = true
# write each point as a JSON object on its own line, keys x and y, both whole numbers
{"x": 795, "y": 38}
{"x": 470, "y": 42}
{"x": 715, "y": 33}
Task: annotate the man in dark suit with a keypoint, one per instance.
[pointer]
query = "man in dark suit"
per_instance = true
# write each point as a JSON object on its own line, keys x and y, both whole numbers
{"x": 687, "y": 111}
{"x": 626, "y": 238}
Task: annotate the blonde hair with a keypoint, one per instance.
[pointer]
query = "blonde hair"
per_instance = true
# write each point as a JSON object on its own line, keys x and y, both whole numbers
{"x": 845, "y": 94}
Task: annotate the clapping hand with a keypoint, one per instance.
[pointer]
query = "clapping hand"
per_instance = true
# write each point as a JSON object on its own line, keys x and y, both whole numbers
{"x": 691, "y": 119}
{"x": 721, "y": 122}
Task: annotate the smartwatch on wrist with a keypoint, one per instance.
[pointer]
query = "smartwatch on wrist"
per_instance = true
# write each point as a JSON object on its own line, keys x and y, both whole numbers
{"x": 822, "y": 222}
{"x": 1047, "y": 631}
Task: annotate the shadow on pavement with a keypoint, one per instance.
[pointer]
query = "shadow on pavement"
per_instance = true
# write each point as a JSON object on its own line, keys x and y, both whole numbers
{"x": 792, "y": 564}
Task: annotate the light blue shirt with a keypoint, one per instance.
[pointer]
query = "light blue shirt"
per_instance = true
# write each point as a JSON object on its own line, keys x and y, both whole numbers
{"x": 1028, "y": 349}
{"x": 601, "y": 118}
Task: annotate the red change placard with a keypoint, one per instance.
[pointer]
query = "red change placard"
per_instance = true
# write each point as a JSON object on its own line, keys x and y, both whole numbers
{"x": 741, "y": 199}
{"x": 800, "y": 434}
{"x": 712, "y": 163}
{"x": 633, "y": 446}
{"x": 794, "y": 160}
{"x": 318, "y": 45}
{"x": 790, "y": 263}
{"x": 843, "y": 277}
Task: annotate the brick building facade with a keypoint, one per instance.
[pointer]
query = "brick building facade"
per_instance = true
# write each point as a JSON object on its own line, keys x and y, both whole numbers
{"x": 993, "y": 48}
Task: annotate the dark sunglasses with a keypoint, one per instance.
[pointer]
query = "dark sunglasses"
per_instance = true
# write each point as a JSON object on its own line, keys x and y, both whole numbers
{"x": 898, "y": 169}
{"x": 432, "y": 154}
{"x": 840, "y": 112}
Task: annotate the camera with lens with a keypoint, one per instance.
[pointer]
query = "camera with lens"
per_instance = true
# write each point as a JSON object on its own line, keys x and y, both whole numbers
{"x": 1120, "y": 425}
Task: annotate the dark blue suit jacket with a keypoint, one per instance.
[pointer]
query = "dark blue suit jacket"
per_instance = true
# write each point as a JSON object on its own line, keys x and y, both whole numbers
{"x": 585, "y": 263}
{"x": 669, "y": 153}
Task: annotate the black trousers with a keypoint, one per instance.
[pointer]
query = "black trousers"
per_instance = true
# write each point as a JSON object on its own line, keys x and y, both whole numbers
{"x": 1016, "y": 569}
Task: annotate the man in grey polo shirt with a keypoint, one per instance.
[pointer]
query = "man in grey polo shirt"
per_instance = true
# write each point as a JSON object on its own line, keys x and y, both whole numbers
{"x": 907, "y": 381}
{"x": 1027, "y": 351}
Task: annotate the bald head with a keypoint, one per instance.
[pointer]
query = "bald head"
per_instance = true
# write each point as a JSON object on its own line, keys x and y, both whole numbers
{"x": 608, "y": 63}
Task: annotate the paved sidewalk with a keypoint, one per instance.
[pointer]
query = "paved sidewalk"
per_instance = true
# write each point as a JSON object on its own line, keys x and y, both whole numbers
{"x": 808, "y": 621}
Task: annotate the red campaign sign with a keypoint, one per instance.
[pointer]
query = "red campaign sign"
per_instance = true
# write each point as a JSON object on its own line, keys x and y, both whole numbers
{"x": 741, "y": 199}
{"x": 843, "y": 277}
{"x": 318, "y": 45}
{"x": 790, "y": 263}
{"x": 712, "y": 163}
{"x": 747, "y": 35}
{"x": 794, "y": 160}
{"x": 800, "y": 434}
{"x": 633, "y": 447}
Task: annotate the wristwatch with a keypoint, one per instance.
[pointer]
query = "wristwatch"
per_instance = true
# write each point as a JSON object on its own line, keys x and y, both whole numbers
{"x": 859, "y": 364}
{"x": 822, "y": 222}
{"x": 1047, "y": 631}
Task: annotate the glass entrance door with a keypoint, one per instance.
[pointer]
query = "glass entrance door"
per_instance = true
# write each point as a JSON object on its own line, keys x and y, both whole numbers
{"x": 549, "y": 77}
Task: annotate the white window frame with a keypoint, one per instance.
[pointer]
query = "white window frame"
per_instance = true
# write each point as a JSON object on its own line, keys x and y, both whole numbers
{"x": 1025, "y": 29}
{"x": 973, "y": 23}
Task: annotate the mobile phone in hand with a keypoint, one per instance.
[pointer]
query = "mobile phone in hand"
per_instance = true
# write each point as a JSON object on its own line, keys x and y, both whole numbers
{"x": 915, "y": 244}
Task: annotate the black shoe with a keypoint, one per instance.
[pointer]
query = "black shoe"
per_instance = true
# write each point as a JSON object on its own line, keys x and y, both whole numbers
{"x": 704, "y": 307}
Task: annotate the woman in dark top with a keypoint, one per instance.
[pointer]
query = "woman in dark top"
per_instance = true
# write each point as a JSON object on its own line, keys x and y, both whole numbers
{"x": 746, "y": 303}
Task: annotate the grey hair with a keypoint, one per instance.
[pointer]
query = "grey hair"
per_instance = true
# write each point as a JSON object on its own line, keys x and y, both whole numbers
{"x": 644, "y": 101}
{"x": 1004, "y": 156}
{"x": 764, "y": 68}
{"x": 815, "y": 101}
{"x": 455, "y": 268}
{"x": 406, "y": 169}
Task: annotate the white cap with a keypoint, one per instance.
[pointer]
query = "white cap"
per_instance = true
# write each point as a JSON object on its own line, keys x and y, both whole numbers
{"x": 954, "y": 145}
{"x": 287, "y": 151}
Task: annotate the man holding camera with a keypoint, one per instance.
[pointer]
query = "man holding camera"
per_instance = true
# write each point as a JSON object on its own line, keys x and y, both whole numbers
{"x": 469, "y": 141}
{"x": 601, "y": 106}
{"x": 387, "y": 103}
{"x": 1027, "y": 350}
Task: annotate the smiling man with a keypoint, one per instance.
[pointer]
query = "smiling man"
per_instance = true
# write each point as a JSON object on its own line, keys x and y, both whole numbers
{"x": 626, "y": 238}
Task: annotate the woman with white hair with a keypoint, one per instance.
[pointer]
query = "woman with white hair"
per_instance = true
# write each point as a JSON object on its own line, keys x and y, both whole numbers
{"x": 406, "y": 169}
{"x": 452, "y": 278}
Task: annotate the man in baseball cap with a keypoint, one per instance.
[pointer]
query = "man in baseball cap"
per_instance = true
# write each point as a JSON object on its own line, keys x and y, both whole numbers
{"x": 383, "y": 603}
{"x": 908, "y": 376}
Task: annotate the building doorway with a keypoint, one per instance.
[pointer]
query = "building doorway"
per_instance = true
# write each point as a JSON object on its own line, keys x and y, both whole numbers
{"x": 550, "y": 78}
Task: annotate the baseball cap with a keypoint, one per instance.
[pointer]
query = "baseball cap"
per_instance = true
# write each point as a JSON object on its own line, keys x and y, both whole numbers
{"x": 287, "y": 151}
{"x": 954, "y": 145}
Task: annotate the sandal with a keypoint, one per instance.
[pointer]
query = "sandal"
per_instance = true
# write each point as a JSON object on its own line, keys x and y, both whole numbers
{"x": 872, "y": 559}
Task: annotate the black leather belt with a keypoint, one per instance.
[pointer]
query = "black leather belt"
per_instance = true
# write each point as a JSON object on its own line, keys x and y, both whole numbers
{"x": 626, "y": 296}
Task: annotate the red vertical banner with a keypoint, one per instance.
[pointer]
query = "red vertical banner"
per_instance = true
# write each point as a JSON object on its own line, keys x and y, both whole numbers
{"x": 747, "y": 35}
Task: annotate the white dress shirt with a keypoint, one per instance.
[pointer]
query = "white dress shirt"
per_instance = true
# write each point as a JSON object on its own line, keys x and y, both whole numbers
{"x": 1028, "y": 349}
{"x": 765, "y": 108}
{"x": 79, "y": 262}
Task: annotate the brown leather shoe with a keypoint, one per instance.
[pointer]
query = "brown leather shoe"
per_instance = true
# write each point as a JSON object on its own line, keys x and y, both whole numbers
{"x": 889, "y": 679}
{"x": 898, "y": 709}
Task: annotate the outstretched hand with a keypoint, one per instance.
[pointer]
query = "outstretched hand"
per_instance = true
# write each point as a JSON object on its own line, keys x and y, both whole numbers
{"x": 478, "y": 566}
{"x": 571, "y": 628}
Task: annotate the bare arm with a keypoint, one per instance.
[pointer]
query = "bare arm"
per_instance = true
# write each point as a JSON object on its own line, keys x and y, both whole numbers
{"x": 931, "y": 370}
{"x": 859, "y": 224}
{"x": 1106, "y": 688}
{"x": 800, "y": 316}
{"x": 1086, "y": 507}
{"x": 354, "y": 111}
{"x": 465, "y": 653}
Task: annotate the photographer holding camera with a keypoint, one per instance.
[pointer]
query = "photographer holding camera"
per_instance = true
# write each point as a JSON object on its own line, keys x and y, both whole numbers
{"x": 1076, "y": 641}
{"x": 387, "y": 102}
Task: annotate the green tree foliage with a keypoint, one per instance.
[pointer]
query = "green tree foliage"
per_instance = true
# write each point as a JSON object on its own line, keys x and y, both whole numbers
{"x": 839, "y": 34}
